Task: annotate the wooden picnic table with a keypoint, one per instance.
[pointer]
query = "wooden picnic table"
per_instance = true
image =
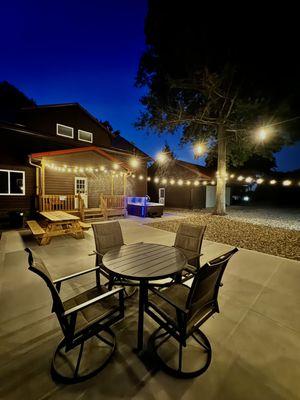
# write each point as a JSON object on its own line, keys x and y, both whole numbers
{"x": 56, "y": 223}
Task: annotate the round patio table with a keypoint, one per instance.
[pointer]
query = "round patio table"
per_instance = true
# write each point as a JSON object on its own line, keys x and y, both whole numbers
{"x": 143, "y": 262}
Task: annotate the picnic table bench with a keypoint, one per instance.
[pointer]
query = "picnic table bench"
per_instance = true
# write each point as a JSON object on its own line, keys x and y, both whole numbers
{"x": 57, "y": 223}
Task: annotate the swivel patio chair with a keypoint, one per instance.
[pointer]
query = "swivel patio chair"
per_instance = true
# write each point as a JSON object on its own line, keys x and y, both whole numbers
{"x": 180, "y": 311}
{"x": 189, "y": 240}
{"x": 85, "y": 321}
{"x": 108, "y": 236}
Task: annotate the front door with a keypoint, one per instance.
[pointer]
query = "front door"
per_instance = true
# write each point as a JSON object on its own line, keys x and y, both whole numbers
{"x": 161, "y": 195}
{"x": 81, "y": 187}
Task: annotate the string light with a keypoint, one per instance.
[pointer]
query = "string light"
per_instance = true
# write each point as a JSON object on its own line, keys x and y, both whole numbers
{"x": 287, "y": 182}
{"x": 172, "y": 181}
{"x": 240, "y": 178}
{"x": 148, "y": 179}
{"x": 273, "y": 181}
{"x": 196, "y": 183}
{"x": 134, "y": 162}
{"x": 248, "y": 179}
{"x": 180, "y": 182}
{"x": 188, "y": 183}
{"x": 164, "y": 181}
{"x": 141, "y": 177}
{"x": 156, "y": 180}
{"x": 259, "y": 181}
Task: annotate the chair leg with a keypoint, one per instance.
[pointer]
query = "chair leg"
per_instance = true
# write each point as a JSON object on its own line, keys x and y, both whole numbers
{"x": 66, "y": 365}
{"x": 180, "y": 372}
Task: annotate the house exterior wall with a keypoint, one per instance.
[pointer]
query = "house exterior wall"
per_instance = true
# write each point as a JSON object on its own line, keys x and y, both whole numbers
{"x": 98, "y": 183}
{"x": 179, "y": 196}
{"x": 44, "y": 120}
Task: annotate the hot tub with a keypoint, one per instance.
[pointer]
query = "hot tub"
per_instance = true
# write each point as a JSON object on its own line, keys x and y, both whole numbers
{"x": 140, "y": 207}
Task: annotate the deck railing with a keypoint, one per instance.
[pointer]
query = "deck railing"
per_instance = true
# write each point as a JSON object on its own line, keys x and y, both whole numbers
{"x": 54, "y": 202}
{"x": 114, "y": 201}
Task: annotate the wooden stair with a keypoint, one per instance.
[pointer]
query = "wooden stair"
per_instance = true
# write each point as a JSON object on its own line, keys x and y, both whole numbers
{"x": 93, "y": 215}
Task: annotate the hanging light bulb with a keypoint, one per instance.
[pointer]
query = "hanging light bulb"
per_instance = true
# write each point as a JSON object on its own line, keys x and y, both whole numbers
{"x": 273, "y": 181}
{"x": 259, "y": 181}
{"x": 188, "y": 183}
{"x": 180, "y": 182}
{"x": 148, "y": 179}
{"x": 156, "y": 180}
{"x": 172, "y": 181}
{"x": 164, "y": 181}
{"x": 196, "y": 183}
{"x": 287, "y": 182}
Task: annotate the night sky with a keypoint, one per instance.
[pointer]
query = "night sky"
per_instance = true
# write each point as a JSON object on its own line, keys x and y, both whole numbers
{"x": 87, "y": 52}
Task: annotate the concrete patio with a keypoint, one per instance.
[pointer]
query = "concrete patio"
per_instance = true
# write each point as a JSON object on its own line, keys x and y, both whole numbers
{"x": 255, "y": 339}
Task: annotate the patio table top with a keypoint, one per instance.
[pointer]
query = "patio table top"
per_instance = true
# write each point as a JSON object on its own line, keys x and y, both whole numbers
{"x": 58, "y": 216}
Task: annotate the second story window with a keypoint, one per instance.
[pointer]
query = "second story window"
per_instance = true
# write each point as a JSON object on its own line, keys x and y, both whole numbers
{"x": 63, "y": 130}
{"x": 85, "y": 136}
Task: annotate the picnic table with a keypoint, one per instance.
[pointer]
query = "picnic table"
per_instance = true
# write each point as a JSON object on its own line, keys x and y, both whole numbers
{"x": 56, "y": 223}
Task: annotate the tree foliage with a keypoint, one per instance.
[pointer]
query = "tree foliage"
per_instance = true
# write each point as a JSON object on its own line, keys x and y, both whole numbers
{"x": 200, "y": 76}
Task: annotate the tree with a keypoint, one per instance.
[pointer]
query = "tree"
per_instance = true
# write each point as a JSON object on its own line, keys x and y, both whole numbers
{"x": 196, "y": 83}
{"x": 167, "y": 150}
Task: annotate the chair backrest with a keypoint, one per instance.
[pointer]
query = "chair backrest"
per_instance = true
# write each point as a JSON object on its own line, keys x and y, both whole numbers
{"x": 205, "y": 287}
{"x": 107, "y": 236}
{"x": 189, "y": 237}
{"x": 37, "y": 266}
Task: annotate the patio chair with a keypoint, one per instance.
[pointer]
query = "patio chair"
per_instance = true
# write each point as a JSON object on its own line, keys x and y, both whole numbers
{"x": 108, "y": 236}
{"x": 189, "y": 240}
{"x": 180, "y": 311}
{"x": 85, "y": 321}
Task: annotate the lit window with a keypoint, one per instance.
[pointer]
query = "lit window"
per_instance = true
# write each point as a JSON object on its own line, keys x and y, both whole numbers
{"x": 85, "y": 136}
{"x": 12, "y": 182}
{"x": 63, "y": 130}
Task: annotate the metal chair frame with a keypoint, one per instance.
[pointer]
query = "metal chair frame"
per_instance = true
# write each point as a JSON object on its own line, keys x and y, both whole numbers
{"x": 178, "y": 329}
{"x": 67, "y": 320}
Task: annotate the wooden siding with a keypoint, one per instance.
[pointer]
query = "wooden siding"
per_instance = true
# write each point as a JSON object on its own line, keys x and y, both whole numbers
{"x": 23, "y": 203}
{"x": 44, "y": 120}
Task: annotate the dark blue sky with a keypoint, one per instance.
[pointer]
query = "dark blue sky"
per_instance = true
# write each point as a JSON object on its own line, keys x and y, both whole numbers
{"x": 86, "y": 52}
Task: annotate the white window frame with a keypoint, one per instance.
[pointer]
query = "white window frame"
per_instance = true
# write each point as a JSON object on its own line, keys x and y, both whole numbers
{"x": 83, "y": 140}
{"x": 65, "y": 126}
{"x": 8, "y": 175}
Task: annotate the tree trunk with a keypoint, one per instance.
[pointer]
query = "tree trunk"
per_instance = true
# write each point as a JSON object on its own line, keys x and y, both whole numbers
{"x": 220, "y": 208}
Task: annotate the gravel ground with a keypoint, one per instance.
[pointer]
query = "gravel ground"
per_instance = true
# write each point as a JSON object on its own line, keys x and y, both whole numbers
{"x": 263, "y": 234}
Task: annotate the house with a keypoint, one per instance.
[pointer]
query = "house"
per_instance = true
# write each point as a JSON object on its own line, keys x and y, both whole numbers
{"x": 180, "y": 184}
{"x": 62, "y": 150}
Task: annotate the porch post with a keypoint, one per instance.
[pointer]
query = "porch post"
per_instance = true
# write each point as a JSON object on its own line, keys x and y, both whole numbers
{"x": 112, "y": 184}
{"x": 43, "y": 177}
{"x": 124, "y": 184}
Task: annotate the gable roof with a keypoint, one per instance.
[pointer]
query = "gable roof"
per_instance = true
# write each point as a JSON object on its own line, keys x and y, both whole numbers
{"x": 121, "y": 143}
{"x": 66, "y": 105}
{"x": 95, "y": 149}
{"x": 176, "y": 167}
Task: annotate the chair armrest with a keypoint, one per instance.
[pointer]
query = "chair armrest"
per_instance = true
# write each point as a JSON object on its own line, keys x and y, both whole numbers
{"x": 92, "y": 301}
{"x": 160, "y": 294}
{"x": 65, "y": 278}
